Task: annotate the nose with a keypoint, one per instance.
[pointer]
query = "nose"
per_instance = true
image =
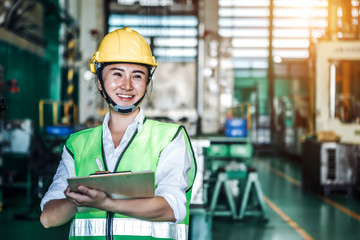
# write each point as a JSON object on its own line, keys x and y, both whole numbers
{"x": 126, "y": 83}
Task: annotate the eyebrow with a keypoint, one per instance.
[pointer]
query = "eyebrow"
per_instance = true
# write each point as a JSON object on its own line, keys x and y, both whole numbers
{"x": 122, "y": 70}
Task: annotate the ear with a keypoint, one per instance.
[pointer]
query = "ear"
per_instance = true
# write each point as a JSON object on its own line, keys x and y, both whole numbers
{"x": 99, "y": 84}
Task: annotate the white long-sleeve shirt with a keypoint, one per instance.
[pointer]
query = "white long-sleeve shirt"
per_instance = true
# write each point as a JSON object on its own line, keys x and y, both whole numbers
{"x": 171, "y": 177}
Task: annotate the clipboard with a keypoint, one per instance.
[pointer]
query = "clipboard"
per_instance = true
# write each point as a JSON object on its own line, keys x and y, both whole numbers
{"x": 123, "y": 185}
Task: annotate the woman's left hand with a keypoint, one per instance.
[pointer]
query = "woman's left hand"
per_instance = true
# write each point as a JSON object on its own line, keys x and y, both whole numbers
{"x": 86, "y": 197}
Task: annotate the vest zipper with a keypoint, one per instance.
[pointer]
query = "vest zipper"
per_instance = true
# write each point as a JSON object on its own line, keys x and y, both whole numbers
{"x": 110, "y": 215}
{"x": 109, "y": 225}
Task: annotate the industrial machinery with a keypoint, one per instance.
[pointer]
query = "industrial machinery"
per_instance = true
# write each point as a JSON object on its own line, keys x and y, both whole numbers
{"x": 284, "y": 123}
{"x": 330, "y": 160}
{"x": 330, "y": 168}
{"x": 337, "y": 95}
{"x": 199, "y": 215}
{"x": 2, "y": 108}
{"x": 15, "y": 144}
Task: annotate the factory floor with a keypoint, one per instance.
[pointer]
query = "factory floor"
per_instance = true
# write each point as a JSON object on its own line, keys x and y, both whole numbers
{"x": 292, "y": 212}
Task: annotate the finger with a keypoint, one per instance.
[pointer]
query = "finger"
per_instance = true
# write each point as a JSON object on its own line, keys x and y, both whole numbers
{"x": 80, "y": 200}
{"x": 76, "y": 196}
{"x": 83, "y": 189}
{"x": 91, "y": 193}
{"x": 67, "y": 190}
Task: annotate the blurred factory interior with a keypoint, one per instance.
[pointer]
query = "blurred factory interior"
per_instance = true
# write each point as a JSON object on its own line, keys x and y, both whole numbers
{"x": 268, "y": 90}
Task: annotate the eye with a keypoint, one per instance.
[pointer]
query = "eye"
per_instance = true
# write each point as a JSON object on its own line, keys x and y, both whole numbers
{"x": 117, "y": 74}
{"x": 138, "y": 76}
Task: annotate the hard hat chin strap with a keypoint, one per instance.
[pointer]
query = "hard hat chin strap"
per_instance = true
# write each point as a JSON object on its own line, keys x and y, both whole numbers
{"x": 117, "y": 108}
{"x": 129, "y": 109}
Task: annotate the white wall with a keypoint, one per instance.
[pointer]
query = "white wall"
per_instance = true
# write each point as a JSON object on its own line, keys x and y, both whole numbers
{"x": 174, "y": 87}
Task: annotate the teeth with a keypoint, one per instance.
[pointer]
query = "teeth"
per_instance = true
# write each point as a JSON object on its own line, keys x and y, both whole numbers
{"x": 124, "y": 96}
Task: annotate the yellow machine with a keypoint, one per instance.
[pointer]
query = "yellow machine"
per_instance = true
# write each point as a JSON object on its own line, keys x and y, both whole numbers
{"x": 64, "y": 128}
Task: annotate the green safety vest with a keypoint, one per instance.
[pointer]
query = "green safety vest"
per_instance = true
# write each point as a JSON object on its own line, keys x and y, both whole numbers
{"x": 141, "y": 153}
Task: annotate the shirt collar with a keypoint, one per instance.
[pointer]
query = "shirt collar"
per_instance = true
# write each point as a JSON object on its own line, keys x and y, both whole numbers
{"x": 137, "y": 123}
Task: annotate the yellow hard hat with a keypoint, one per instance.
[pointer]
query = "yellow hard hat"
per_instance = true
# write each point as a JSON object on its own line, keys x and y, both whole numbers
{"x": 123, "y": 45}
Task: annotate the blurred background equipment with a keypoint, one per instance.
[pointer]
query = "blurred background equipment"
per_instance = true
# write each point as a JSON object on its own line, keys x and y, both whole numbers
{"x": 2, "y": 108}
{"x": 15, "y": 148}
{"x": 333, "y": 165}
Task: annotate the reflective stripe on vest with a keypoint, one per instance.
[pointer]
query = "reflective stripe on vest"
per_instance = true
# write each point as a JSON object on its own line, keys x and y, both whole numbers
{"x": 128, "y": 227}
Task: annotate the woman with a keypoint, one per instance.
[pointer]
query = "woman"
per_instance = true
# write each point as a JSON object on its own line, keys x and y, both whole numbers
{"x": 126, "y": 141}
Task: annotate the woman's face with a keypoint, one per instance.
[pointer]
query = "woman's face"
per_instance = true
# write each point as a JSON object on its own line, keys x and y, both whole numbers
{"x": 125, "y": 83}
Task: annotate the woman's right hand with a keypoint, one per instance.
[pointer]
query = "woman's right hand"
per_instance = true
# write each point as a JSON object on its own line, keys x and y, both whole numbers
{"x": 87, "y": 197}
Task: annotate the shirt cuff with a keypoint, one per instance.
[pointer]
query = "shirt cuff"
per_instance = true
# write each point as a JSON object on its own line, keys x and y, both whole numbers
{"x": 49, "y": 197}
{"x": 176, "y": 201}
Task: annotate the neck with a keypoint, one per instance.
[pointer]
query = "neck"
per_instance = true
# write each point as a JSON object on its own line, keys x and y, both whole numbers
{"x": 119, "y": 122}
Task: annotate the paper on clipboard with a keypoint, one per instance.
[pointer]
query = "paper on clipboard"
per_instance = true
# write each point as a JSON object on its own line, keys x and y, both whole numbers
{"x": 118, "y": 185}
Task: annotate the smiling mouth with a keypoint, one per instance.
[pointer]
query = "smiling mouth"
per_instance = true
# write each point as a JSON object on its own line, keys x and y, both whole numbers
{"x": 124, "y": 96}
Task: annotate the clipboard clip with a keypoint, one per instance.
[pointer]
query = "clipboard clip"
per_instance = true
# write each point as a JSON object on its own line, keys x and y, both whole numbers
{"x": 108, "y": 172}
{"x": 99, "y": 173}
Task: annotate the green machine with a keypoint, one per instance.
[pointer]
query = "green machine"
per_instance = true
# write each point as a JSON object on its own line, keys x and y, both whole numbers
{"x": 229, "y": 159}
